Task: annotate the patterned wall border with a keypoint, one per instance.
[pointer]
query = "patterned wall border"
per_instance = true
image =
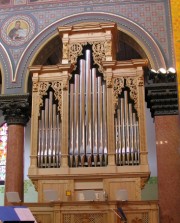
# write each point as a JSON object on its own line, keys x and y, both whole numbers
{"x": 139, "y": 34}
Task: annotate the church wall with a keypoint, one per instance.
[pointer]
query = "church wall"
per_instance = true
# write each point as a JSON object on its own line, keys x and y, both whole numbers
{"x": 152, "y": 16}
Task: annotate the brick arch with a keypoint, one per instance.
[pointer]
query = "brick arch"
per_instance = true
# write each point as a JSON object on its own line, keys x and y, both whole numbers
{"x": 143, "y": 38}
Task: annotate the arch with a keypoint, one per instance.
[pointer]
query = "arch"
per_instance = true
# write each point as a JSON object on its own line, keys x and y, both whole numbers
{"x": 142, "y": 37}
{"x": 6, "y": 68}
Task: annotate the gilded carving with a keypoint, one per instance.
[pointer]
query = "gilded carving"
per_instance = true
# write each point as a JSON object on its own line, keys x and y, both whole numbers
{"x": 118, "y": 84}
{"x": 57, "y": 87}
{"x": 42, "y": 89}
{"x": 99, "y": 54}
{"x": 75, "y": 50}
{"x": 132, "y": 84}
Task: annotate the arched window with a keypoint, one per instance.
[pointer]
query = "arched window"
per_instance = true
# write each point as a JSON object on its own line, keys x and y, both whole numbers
{"x": 3, "y": 151}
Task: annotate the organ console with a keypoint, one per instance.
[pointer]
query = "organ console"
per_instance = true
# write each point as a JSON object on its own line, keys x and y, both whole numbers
{"x": 88, "y": 118}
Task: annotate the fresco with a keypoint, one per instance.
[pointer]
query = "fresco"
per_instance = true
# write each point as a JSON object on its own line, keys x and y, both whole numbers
{"x": 17, "y": 30}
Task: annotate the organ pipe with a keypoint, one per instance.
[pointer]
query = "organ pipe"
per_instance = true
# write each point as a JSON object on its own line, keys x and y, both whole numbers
{"x": 49, "y": 135}
{"x": 126, "y": 132}
{"x": 90, "y": 103}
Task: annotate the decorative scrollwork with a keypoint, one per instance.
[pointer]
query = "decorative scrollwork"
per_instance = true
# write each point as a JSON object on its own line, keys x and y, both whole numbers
{"x": 99, "y": 54}
{"x": 118, "y": 84}
{"x": 132, "y": 84}
{"x": 42, "y": 89}
{"x": 57, "y": 87}
{"x": 75, "y": 50}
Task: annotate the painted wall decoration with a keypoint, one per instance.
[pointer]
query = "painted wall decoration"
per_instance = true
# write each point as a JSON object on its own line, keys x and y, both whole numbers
{"x": 17, "y": 30}
{"x": 4, "y": 2}
{"x": 3, "y": 150}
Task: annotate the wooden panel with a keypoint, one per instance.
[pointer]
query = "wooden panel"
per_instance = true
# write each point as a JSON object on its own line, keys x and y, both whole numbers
{"x": 132, "y": 185}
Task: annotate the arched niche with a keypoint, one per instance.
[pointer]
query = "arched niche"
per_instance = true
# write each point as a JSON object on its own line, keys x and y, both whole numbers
{"x": 44, "y": 48}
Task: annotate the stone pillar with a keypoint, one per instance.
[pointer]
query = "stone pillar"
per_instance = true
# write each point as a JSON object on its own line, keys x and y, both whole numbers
{"x": 162, "y": 100}
{"x": 168, "y": 159}
{"x": 16, "y": 111}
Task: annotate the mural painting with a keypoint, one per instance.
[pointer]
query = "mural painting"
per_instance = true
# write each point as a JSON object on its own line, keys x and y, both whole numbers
{"x": 17, "y": 30}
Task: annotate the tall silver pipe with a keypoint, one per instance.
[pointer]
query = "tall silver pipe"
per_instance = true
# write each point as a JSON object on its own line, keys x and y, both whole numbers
{"x": 135, "y": 138}
{"x": 123, "y": 151}
{"x": 76, "y": 119}
{"x": 116, "y": 140}
{"x": 58, "y": 150}
{"x": 46, "y": 131}
{"x": 119, "y": 134}
{"x": 131, "y": 133}
{"x": 88, "y": 108}
{"x": 43, "y": 137}
{"x": 50, "y": 122}
{"x": 82, "y": 111}
{"x": 94, "y": 97}
{"x": 126, "y": 112}
{"x": 138, "y": 142}
{"x": 105, "y": 122}
{"x": 39, "y": 144}
{"x": 54, "y": 136}
{"x": 71, "y": 148}
{"x": 100, "y": 140}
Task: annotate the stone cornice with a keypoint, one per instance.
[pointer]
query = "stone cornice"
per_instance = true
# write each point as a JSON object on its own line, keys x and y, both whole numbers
{"x": 16, "y": 108}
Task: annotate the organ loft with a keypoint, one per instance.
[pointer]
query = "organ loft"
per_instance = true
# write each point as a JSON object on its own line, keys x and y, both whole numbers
{"x": 88, "y": 134}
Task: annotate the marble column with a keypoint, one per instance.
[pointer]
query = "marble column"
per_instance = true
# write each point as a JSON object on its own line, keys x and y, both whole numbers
{"x": 168, "y": 168}
{"x": 16, "y": 111}
{"x": 161, "y": 97}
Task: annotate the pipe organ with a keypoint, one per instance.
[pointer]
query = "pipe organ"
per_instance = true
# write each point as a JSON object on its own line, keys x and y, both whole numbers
{"x": 88, "y": 119}
{"x": 126, "y": 132}
{"x": 49, "y": 145}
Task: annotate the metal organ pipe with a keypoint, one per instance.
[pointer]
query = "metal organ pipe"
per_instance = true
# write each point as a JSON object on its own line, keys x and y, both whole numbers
{"x": 90, "y": 122}
{"x": 76, "y": 118}
{"x": 49, "y": 135}
{"x": 71, "y": 150}
{"x": 82, "y": 111}
{"x": 127, "y": 133}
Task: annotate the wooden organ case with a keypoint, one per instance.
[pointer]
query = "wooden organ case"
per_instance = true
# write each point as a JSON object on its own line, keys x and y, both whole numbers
{"x": 88, "y": 129}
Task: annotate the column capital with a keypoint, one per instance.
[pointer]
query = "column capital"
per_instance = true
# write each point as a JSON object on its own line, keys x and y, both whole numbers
{"x": 16, "y": 108}
{"x": 162, "y": 98}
